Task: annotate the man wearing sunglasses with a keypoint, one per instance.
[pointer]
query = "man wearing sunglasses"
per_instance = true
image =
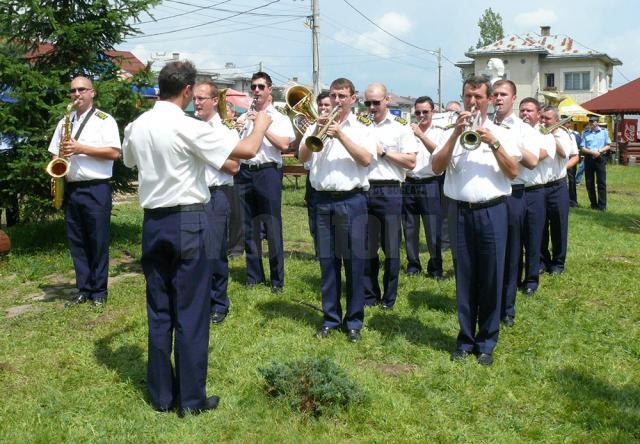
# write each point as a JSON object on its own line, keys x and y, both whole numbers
{"x": 421, "y": 195}
{"x": 338, "y": 174}
{"x": 259, "y": 185}
{"x": 93, "y": 146}
{"x": 396, "y": 150}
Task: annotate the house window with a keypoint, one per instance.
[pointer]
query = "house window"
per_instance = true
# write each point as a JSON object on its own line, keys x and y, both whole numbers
{"x": 550, "y": 80}
{"x": 576, "y": 81}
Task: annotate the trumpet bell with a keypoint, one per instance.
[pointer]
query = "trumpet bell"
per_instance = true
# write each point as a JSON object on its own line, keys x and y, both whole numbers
{"x": 470, "y": 140}
{"x": 314, "y": 144}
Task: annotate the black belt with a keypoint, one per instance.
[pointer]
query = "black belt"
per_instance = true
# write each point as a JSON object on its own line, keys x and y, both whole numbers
{"x": 176, "y": 209}
{"x": 85, "y": 183}
{"x": 340, "y": 194}
{"x": 535, "y": 187}
{"x": 214, "y": 188}
{"x": 259, "y": 166}
{"x": 517, "y": 186}
{"x": 423, "y": 180}
{"x": 382, "y": 183}
{"x": 485, "y": 204}
{"x": 553, "y": 183}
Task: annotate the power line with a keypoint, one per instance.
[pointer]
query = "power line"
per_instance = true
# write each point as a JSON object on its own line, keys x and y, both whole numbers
{"x": 183, "y": 14}
{"x": 204, "y": 24}
{"x": 241, "y": 12}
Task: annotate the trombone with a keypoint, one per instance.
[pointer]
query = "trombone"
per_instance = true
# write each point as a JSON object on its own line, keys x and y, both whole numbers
{"x": 316, "y": 142}
{"x": 548, "y": 130}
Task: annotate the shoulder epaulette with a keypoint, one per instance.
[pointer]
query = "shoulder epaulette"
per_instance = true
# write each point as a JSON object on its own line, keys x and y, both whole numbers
{"x": 400, "y": 120}
{"x": 101, "y": 115}
{"x": 364, "y": 120}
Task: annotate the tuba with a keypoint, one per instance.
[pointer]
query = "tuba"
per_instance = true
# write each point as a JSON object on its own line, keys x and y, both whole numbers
{"x": 548, "y": 130}
{"x": 58, "y": 168}
{"x": 300, "y": 107}
{"x": 470, "y": 139}
{"x": 316, "y": 141}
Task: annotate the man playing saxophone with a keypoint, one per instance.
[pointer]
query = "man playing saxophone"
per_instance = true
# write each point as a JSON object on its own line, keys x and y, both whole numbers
{"x": 90, "y": 148}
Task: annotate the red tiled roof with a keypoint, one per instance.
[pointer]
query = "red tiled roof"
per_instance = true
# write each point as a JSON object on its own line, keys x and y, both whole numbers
{"x": 624, "y": 99}
{"x": 123, "y": 59}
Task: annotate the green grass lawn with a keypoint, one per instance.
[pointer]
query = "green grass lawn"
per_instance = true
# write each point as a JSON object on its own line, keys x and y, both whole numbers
{"x": 568, "y": 371}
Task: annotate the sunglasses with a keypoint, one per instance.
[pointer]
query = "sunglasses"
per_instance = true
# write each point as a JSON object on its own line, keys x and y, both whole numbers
{"x": 79, "y": 90}
{"x": 260, "y": 86}
{"x": 372, "y": 102}
{"x": 420, "y": 113}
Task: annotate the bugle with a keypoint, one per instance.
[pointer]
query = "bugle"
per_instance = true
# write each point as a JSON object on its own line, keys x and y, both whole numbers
{"x": 316, "y": 141}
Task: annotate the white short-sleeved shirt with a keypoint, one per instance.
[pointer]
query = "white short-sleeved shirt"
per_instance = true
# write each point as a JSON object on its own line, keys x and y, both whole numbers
{"x": 214, "y": 176}
{"x": 280, "y": 126}
{"x": 475, "y": 176}
{"x": 570, "y": 147}
{"x": 101, "y": 130}
{"x": 392, "y": 135}
{"x": 423, "y": 168}
{"x": 171, "y": 151}
{"x": 333, "y": 168}
{"x": 542, "y": 173}
{"x": 524, "y": 138}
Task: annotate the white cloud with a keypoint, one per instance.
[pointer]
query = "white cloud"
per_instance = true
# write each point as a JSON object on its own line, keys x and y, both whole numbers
{"x": 378, "y": 42}
{"x": 534, "y": 19}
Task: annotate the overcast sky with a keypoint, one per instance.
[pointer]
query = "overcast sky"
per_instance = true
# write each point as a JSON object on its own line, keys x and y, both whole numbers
{"x": 246, "y": 32}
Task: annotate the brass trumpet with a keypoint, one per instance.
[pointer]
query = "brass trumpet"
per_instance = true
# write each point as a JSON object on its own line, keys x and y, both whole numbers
{"x": 548, "y": 130}
{"x": 316, "y": 141}
{"x": 470, "y": 139}
{"x": 58, "y": 168}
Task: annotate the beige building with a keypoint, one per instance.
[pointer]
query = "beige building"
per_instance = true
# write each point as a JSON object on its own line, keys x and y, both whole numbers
{"x": 546, "y": 65}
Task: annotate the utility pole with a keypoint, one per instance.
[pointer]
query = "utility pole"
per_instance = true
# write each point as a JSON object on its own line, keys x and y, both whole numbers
{"x": 316, "y": 51}
{"x": 261, "y": 67}
{"x": 440, "y": 79}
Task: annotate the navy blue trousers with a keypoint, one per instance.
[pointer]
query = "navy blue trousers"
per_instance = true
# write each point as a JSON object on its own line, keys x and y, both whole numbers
{"x": 480, "y": 243}
{"x": 384, "y": 204}
{"x": 341, "y": 226}
{"x": 556, "y": 227}
{"x": 534, "y": 221}
{"x": 309, "y": 200}
{"x": 87, "y": 212}
{"x": 261, "y": 199}
{"x": 176, "y": 262}
{"x": 516, "y": 205}
{"x": 421, "y": 201}
{"x": 218, "y": 210}
{"x": 595, "y": 171}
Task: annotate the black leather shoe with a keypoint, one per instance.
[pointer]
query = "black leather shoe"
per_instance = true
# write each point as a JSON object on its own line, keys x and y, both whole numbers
{"x": 276, "y": 290}
{"x": 459, "y": 355}
{"x": 508, "y": 321}
{"x": 353, "y": 335}
{"x": 211, "y": 403}
{"x": 99, "y": 303}
{"x": 386, "y": 306}
{"x": 529, "y": 291}
{"x": 436, "y": 277}
{"x": 413, "y": 273}
{"x": 78, "y": 300}
{"x": 555, "y": 271}
{"x": 253, "y": 284}
{"x": 323, "y": 332}
{"x": 218, "y": 317}
{"x": 485, "y": 359}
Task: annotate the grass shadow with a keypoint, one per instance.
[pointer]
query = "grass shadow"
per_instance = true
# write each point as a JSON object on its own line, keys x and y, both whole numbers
{"x": 297, "y": 311}
{"x": 432, "y": 301}
{"x": 127, "y": 360}
{"x": 412, "y": 330}
{"x": 629, "y": 222}
{"x": 594, "y": 403}
{"x": 58, "y": 291}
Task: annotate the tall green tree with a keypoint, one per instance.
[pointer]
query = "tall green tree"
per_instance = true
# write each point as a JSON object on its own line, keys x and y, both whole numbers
{"x": 491, "y": 30}
{"x": 43, "y": 45}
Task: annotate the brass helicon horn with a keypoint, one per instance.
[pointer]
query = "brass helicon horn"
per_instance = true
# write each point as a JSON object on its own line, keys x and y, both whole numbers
{"x": 58, "y": 168}
{"x": 300, "y": 107}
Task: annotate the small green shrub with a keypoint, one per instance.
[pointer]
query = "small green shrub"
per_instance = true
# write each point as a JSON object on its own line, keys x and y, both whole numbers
{"x": 312, "y": 385}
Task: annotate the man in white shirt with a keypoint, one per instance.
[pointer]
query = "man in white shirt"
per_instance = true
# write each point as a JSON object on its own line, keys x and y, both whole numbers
{"x": 339, "y": 176}
{"x": 421, "y": 195}
{"x": 396, "y": 152}
{"x": 219, "y": 181}
{"x": 91, "y": 150}
{"x": 478, "y": 180}
{"x": 171, "y": 151}
{"x": 259, "y": 183}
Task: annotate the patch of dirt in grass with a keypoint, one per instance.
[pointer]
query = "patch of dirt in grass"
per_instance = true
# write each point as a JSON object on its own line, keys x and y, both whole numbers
{"x": 18, "y": 310}
{"x": 6, "y": 367}
{"x": 393, "y": 369}
{"x": 119, "y": 199}
{"x": 624, "y": 193}
{"x": 115, "y": 279}
{"x": 623, "y": 259}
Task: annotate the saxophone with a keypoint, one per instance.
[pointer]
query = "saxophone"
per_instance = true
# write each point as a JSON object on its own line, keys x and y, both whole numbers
{"x": 58, "y": 168}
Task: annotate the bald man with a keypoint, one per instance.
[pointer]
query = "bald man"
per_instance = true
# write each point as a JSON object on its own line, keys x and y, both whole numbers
{"x": 93, "y": 146}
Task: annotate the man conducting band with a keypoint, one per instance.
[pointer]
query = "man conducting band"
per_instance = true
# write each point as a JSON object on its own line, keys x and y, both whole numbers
{"x": 91, "y": 150}
{"x": 479, "y": 181}
{"x": 504, "y": 95}
{"x": 171, "y": 150}
{"x": 205, "y": 100}
{"x": 259, "y": 185}
{"x": 421, "y": 195}
{"x": 396, "y": 152}
{"x": 339, "y": 175}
